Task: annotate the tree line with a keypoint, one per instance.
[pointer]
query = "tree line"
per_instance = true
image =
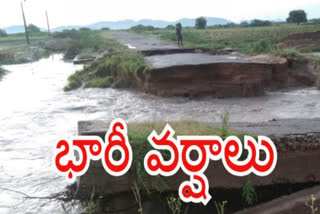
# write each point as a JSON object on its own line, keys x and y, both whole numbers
{"x": 295, "y": 16}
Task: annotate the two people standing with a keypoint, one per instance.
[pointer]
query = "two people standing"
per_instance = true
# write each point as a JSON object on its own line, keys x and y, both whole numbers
{"x": 179, "y": 34}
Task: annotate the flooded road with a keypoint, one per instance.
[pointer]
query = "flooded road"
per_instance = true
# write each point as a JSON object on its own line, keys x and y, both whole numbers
{"x": 35, "y": 113}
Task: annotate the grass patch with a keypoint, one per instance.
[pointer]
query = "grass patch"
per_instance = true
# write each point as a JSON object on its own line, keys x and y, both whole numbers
{"x": 287, "y": 53}
{"x": 316, "y": 60}
{"x": 120, "y": 67}
{"x": 103, "y": 82}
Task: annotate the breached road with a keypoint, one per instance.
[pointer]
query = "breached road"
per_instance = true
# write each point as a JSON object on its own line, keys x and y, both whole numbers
{"x": 187, "y": 72}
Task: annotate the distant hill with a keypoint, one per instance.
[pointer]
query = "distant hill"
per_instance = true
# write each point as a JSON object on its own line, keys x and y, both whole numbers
{"x": 14, "y": 29}
{"x": 17, "y": 29}
{"x": 126, "y": 24}
{"x": 69, "y": 27}
{"x": 210, "y": 21}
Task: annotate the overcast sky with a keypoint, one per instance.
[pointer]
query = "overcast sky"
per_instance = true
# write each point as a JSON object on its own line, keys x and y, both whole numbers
{"x": 83, "y": 12}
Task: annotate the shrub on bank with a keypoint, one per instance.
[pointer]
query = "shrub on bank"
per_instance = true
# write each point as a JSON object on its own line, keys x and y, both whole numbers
{"x": 121, "y": 67}
{"x": 84, "y": 41}
{"x": 97, "y": 82}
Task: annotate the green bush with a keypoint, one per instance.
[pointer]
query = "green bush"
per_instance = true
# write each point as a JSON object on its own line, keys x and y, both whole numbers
{"x": 72, "y": 52}
{"x": 286, "y": 52}
{"x": 260, "y": 23}
{"x": 170, "y": 27}
{"x": 263, "y": 46}
{"x": 121, "y": 68}
{"x": 140, "y": 28}
{"x": 249, "y": 194}
{"x": 85, "y": 42}
{"x": 73, "y": 82}
{"x": 84, "y": 29}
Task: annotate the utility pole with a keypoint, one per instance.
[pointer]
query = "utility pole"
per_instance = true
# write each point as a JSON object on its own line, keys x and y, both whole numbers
{"x": 25, "y": 25}
{"x": 49, "y": 33}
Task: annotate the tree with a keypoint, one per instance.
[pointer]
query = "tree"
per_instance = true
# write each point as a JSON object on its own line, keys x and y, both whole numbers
{"x": 170, "y": 27}
{"x": 201, "y": 23}
{"x": 297, "y": 16}
{"x": 244, "y": 24}
{"x": 260, "y": 23}
{"x": 3, "y": 33}
{"x": 140, "y": 28}
{"x": 84, "y": 29}
{"x": 33, "y": 29}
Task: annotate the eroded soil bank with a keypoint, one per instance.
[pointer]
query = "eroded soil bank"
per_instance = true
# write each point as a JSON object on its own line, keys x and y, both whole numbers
{"x": 307, "y": 41}
{"x": 224, "y": 75}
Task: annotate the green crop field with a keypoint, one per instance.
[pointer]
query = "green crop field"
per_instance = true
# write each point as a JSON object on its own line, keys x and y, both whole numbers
{"x": 247, "y": 40}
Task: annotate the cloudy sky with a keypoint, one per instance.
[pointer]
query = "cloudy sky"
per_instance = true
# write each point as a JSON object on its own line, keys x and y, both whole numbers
{"x": 82, "y": 12}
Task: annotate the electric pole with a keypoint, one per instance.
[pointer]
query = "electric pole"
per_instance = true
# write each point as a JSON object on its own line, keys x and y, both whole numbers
{"x": 25, "y": 25}
{"x": 49, "y": 33}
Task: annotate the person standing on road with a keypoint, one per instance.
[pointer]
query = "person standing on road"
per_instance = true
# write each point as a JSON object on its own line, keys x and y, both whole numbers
{"x": 179, "y": 34}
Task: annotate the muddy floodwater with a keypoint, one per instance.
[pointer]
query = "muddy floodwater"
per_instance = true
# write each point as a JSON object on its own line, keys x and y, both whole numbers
{"x": 35, "y": 113}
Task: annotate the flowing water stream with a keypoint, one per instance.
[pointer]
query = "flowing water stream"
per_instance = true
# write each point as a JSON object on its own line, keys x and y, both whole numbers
{"x": 35, "y": 113}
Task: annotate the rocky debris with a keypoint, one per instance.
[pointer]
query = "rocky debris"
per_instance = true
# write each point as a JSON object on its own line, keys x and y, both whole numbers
{"x": 308, "y": 41}
{"x": 299, "y": 142}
